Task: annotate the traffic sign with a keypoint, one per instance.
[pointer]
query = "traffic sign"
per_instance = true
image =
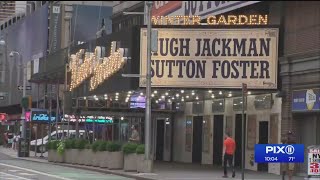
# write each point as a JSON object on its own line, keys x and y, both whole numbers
{"x": 21, "y": 88}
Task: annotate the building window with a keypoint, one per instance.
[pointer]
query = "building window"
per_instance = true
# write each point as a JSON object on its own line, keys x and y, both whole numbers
{"x": 237, "y": 104}
{"x": 262, "y": 102}
{"x": 197, "y": 107}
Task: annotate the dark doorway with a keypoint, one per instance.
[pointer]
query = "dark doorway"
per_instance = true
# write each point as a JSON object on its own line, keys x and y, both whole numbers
{"x": 263, "y": 139}
{"x": 217, "y": 139}
{"x": 160, "y": 140}
{"x": 238, "y": 139}
{"x": 197, "y": 139}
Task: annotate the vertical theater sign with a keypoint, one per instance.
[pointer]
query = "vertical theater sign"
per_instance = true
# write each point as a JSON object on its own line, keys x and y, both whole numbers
{"x": 213, "y": 58}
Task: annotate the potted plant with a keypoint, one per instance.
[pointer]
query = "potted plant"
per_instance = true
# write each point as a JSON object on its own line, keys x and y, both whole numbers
{"x": 95, "y": 154}
{"x": 142, "y": 164}
{"x": 103, "y": 154}
{"x": 115, "y": 157}
{"x": 130, "y": 158}
{"x": 51, "y": 152}
{"x": 69, "y": 143}
{"x": 80, "y": 145}
{"x": 61, "y": 152}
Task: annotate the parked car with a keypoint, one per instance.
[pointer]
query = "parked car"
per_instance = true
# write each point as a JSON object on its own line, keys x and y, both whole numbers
{"x": 42, "y": 147}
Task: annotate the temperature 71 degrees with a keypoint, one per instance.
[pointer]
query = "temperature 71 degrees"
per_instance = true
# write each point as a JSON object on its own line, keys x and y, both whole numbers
{"x": 291, "y": 158}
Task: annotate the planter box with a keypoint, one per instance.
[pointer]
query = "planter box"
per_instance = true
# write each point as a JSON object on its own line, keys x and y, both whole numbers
{"x": 52, "y": 155}
{"x": 115, "y": 160}
{"x": 74, "y": 156}
{"x": 68, "y": 156}
{"x": 81, "y": 157}
{"x": 130, "y": 162}
{"x": 87, "y": 157}
{"x": 60, "y": 158}
{"x": 103, "y": 159}
{"x": 143, "y": 166}
{"x": 95, "y": 159}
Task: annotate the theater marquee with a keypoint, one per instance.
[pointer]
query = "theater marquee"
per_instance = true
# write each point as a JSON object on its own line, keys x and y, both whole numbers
{"x": 213, "y": 58}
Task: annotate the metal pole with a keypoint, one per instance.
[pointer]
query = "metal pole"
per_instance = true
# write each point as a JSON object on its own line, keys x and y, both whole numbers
{"x": 50, "y": 111}
{"x": 148, "y": 127}
{"x": 23, "y": 109}
{"x": 243, "y": 134}
{"x": 57, "y": 111}
{"x": 36, "y": 138}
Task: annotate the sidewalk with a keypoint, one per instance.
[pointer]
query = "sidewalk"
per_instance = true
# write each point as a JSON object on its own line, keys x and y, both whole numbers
{"x": 164, "y": 170}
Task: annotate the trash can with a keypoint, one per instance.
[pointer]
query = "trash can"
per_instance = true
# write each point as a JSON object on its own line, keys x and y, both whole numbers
{"x": 23, "y": 148}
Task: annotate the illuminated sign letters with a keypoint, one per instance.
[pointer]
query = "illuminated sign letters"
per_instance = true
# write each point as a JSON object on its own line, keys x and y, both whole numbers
{"x": 85, "y": 65}
{"x": 211, "y": 20}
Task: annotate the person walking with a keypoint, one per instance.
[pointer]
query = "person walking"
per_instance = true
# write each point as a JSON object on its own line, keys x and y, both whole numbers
{"x": 229, "y": 148}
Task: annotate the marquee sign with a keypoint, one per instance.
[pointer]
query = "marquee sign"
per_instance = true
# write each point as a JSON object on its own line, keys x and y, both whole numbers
{"x": 89, "y": 119}
{"x": 85, "y": 65}
{"x": 213, "y": 58}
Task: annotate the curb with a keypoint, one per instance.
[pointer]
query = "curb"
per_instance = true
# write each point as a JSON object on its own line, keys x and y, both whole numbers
{"x": 90, "y": 168}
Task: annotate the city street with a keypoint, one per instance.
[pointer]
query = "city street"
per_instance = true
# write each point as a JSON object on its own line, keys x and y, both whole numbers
{"x": 15, "y": 169}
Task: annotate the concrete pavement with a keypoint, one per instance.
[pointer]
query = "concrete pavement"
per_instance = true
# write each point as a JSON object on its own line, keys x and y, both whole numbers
{"x": 170, "y": 171}
{"x": 12, "y": 168}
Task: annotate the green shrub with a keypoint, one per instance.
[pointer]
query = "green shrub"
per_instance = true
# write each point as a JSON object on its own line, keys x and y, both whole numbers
{"x": 53, "y": 145}
{"x": 81, "y": 144}
{"x": 129, "y": 148}
{"x": 70, "y": 143}
{"x": 103, "y": 146}
{"x": 140, "y": 149}
{"x": 61, "y": 147}
{"x": 88, "y": 146}
{"x": 113, "y": 147}
{"x": 95, "y": 146}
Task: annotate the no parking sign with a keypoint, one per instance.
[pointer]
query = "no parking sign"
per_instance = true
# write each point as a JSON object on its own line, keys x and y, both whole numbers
{"x": 314, "y": 161}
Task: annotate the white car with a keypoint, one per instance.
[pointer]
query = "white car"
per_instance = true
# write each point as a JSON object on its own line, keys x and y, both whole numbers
{"x": 42, "y": 147}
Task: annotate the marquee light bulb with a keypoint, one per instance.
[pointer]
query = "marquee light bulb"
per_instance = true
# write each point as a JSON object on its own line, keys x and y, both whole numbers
{"x": 212, "y": 96}
{"x": 210, "y": 91}
{"x": 187, "y": 97}
{"x": 167, "y": 93}
{"x": 155, "y": 92}
{"x": 192, "y": 93}
{"x": 152, "y": 95}
{"x": 197, "y": 98}
{"x": 220, "y": 92}
{"x": 249, "y": 92}
{"x": 162, "y": 97}
{"x": 177, "y": 95}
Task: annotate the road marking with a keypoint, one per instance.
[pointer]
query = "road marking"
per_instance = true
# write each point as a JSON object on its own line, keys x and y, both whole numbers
{"x": 34, "y": 171}
{"x": 13, "y": 170}
{"x": 26, "y": 174}
{"x": 10, "y": 175}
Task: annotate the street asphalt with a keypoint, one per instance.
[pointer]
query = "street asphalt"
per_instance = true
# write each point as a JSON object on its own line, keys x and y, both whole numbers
{"x": 15, "y": 169}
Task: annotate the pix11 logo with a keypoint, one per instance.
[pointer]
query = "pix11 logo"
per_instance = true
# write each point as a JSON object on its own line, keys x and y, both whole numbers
{"x": 277, "y": 153}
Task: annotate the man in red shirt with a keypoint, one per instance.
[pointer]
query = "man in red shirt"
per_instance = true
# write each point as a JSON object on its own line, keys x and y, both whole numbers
{"x": 229, "y": 147}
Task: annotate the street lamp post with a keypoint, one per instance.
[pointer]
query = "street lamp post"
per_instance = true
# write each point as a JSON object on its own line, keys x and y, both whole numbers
{"x": 24, "y": 76}
{"x": 148, "y": 87}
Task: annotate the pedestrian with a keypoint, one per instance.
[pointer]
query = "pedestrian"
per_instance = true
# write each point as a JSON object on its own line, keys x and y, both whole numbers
{"x": 229, "y": 148}
{"x": 290, "y": 140}
{"x": 135, "y": 135}
{"x": 14, "y": 142}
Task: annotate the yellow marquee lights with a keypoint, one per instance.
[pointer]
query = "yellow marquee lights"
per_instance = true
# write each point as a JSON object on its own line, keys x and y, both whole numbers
{"x": 108, "y": 67}
{"x": 80, "y": 68}
{"x": 95, "y": 65}
{"x": 253, "y": 19}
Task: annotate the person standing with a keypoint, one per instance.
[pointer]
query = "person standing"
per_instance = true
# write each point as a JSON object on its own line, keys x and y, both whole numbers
{"x": 135, "y": 135}
{"x": 229, "y": 148}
